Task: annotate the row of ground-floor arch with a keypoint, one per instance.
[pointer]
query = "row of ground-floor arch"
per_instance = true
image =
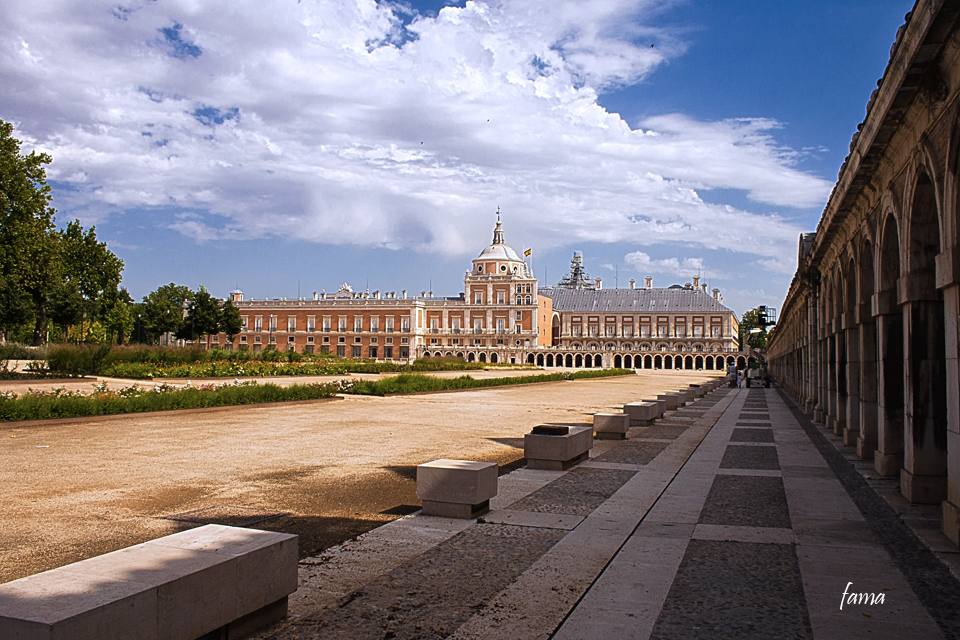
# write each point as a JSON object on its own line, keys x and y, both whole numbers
{"x": 588, "y": 360}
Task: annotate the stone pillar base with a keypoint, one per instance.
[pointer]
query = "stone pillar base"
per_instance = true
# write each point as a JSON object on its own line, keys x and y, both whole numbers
{"x": 818, "y": 415}
{"x": 950, "y": 524}
{"x": 887, "y": 465}
{"x": 835, "y": 425}
{"x": 850, "y": 436}
{"x": 923, "y": 489}
{"x": 866, "y": 447}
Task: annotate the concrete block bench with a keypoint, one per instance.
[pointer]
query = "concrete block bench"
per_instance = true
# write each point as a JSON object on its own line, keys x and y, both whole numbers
{"x": 557, "y": 447}
{"x": 672, "y": 398}
{"x": 642, "y": 414}
{"x": 456, "y": 488}
{"x": 179, "y": 587}
{"x": 698, "y": 390}
{"x": 611, "y": 426}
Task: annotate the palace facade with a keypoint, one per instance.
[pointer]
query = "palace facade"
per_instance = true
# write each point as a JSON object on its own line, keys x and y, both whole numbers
{"x": 502, "y": 316}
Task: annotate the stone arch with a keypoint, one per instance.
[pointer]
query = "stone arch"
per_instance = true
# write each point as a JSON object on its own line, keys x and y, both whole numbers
{"x": 494, "y": 358}
{"x": 925, "y": 397}
{"x": 698, "y": 363}
{"x": 617, "y": 361}
{"x": 688, "y": 362}
{"x": 628, "y": 362}
{"x": 741, "y": 362}
{"x": 549, "y": 359}
{"x": 540, "y": 360}
{"x": 483, "y": 357}
{"x": 597, "y": 361}
{"x": 578, "y": 361}
{"x": 709, "y": 363}
{"x": 555, "y": 330}
{"x": 658, "y": 362}
{"x": 569, "y": 361}
{"x": 530, "y": 359}
{"x": 471, "y": 357}
{"x": 668, "y": 362}
{"x": 460, "y": 354}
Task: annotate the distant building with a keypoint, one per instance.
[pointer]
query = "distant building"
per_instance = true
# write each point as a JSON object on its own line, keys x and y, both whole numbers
{"x": 502, "y": 316}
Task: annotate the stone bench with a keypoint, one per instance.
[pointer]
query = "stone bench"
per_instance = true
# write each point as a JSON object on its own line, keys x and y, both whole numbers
{"x": 642, "y": 414}
{"x": 456, "y": 488}
{"x": 697, "y": 390}
{"x": 611, "y": 426}
{"x": 672, "y": 398}
{"x": 210, "y": 579}
{"x": 557, "y": 447}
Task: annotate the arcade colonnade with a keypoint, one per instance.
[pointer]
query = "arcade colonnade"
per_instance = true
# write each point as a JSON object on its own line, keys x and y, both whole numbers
{"x": 868, "y": 333}
{"x": 586, "y": 360}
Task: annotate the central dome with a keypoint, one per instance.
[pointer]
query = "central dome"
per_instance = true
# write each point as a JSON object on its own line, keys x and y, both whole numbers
{"x": 498, "y": 250}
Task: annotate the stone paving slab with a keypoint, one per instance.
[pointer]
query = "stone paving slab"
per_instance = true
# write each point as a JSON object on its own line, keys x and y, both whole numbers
{"x": 685, "y": 545}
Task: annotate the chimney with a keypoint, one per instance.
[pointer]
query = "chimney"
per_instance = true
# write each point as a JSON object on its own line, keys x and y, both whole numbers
{"x": 649, "y": 282}
{"x": 704, "y": 285}
{"x": 404, "y": 294}
{"x": 696, "y": 282}
{"x": 716, "y": 294}
{"x": 633, "y": 283}
{"x": 315, "y": 296}
{"x": 598, "y": 282}
{"x": 423, "y": 294}
{"x": 376, "y": 294}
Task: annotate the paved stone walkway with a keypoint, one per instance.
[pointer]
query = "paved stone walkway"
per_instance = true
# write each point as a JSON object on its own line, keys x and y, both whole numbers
{"x": 733, "y": 517}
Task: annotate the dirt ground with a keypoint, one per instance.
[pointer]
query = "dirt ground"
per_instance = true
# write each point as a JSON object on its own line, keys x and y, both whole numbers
{"x": 336, "y": 468}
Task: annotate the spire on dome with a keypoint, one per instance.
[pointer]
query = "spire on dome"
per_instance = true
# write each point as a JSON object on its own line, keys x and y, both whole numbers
{"x": 498, "y": 230}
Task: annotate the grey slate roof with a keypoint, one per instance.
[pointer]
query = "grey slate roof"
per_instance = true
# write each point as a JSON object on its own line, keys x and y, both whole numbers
{"x": 633, "y": 301}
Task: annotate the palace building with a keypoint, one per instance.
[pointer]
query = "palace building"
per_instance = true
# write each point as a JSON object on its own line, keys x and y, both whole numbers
{"x": 502, "y": 316}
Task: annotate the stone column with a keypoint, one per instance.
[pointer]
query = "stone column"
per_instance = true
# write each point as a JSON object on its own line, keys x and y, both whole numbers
{"x": 851, "y": 430}
{"x": 867, "y": 440}
{"x": 888, "y": 458}
{"x": 924, "y": 476}
{"x": 951, "y": 512}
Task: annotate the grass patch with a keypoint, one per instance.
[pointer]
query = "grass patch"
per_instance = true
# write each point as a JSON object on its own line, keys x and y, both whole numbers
{"x": 417, "y": 383}
{"x": 59, "y": 403}
{"x": 142, "y": 362}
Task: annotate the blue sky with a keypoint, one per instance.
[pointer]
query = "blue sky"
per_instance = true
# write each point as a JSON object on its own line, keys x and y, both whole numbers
{"x": 293, "y": 146}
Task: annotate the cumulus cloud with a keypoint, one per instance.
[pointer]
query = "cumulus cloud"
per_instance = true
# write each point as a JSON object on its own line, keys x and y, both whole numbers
{"x": 642, "y": 263}
{"x": 359, "y": 122}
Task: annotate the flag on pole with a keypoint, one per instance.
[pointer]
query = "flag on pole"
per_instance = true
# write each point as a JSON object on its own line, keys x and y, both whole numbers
{"x": 527, "y": 252}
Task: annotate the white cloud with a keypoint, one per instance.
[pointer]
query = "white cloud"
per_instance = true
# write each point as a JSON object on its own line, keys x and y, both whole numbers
{"x": 334, "y": 122}
{"x": 643, "y": 264}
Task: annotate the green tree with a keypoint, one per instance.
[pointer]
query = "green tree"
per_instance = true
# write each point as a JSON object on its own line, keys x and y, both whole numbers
{"x": 118, "y": 319}
{"x": 163, "y": 309}
{"x": 29, "y": 247}
{"x": 66, "y": 307}
{"x": 748, "y": 336}
{"x": 230, "y": 321}
{"x": 89, "y": 264}
{"x": 203, "y": 317}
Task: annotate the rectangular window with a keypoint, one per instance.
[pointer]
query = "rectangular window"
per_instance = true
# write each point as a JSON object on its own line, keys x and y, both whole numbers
{"x": 342, "y": 324}
{"x": 310, "y": 339}
{"x": 258, "y": 323}
{"x": 358, "y": 339}
{"x": 273, "y": 323}
{"x": 434, "y": 325}
{"x": 311, "y": 323}
{"x": 500, "y": 297}
{"x": 519, "y": 316}
{"x": 715, "y": 331}
{"x": 403, "y": 341}
{"x": 389, "y": 324}
{"x": 256, "y": 339}
{"x": 388, "y": 353}
{"x": 358, "y": 324}
{"x": 404, "y": 352}
{"x": 501, "y": 322}
{"x": 324, "y": 348}
{"x": 375, "y": 324}
{"x": 356, "y": 352}
{"x": 405, "y": 324}
{"x": 292, "y": 323}
{"x": 326, "y": 323}
{"x": 662, "y": 330}
{"x": 341, "y": 351}
{"x": 389, "y": 340}
{"x": 456, "y": 325}
{"x": 478, "y": 325}
{"x": 243, "y": 323}
{"x": 373, "y": 352}
{"x": 478, "y": 297}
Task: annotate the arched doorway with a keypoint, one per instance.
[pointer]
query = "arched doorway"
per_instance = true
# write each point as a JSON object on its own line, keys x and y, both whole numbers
{"x": 494, "y": 358}
{"x": 658, "y": 363}
{"x": 597, "y": 361}
{"x": 569, "y": 361}
{"x": 741, "y": 363}
{"x": 555, "y": 331}
{"x": 628, "y": 362}
{"x": 540, "y": 360}
{"x": 668, "y": 362}
{"x": 483, "y": 357}
{"x": 578, "y": 363}
{"x": 698, "y": 363}
{"x": 549, "y": 359}
{"x": 688, "y": 362}
{"x": 709, "y": 363}
{"x": 617, "y": 362}
{"x": 530, "y": 359}
{"x": 648, "y": 362}
{"x": 471, "y": 357}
